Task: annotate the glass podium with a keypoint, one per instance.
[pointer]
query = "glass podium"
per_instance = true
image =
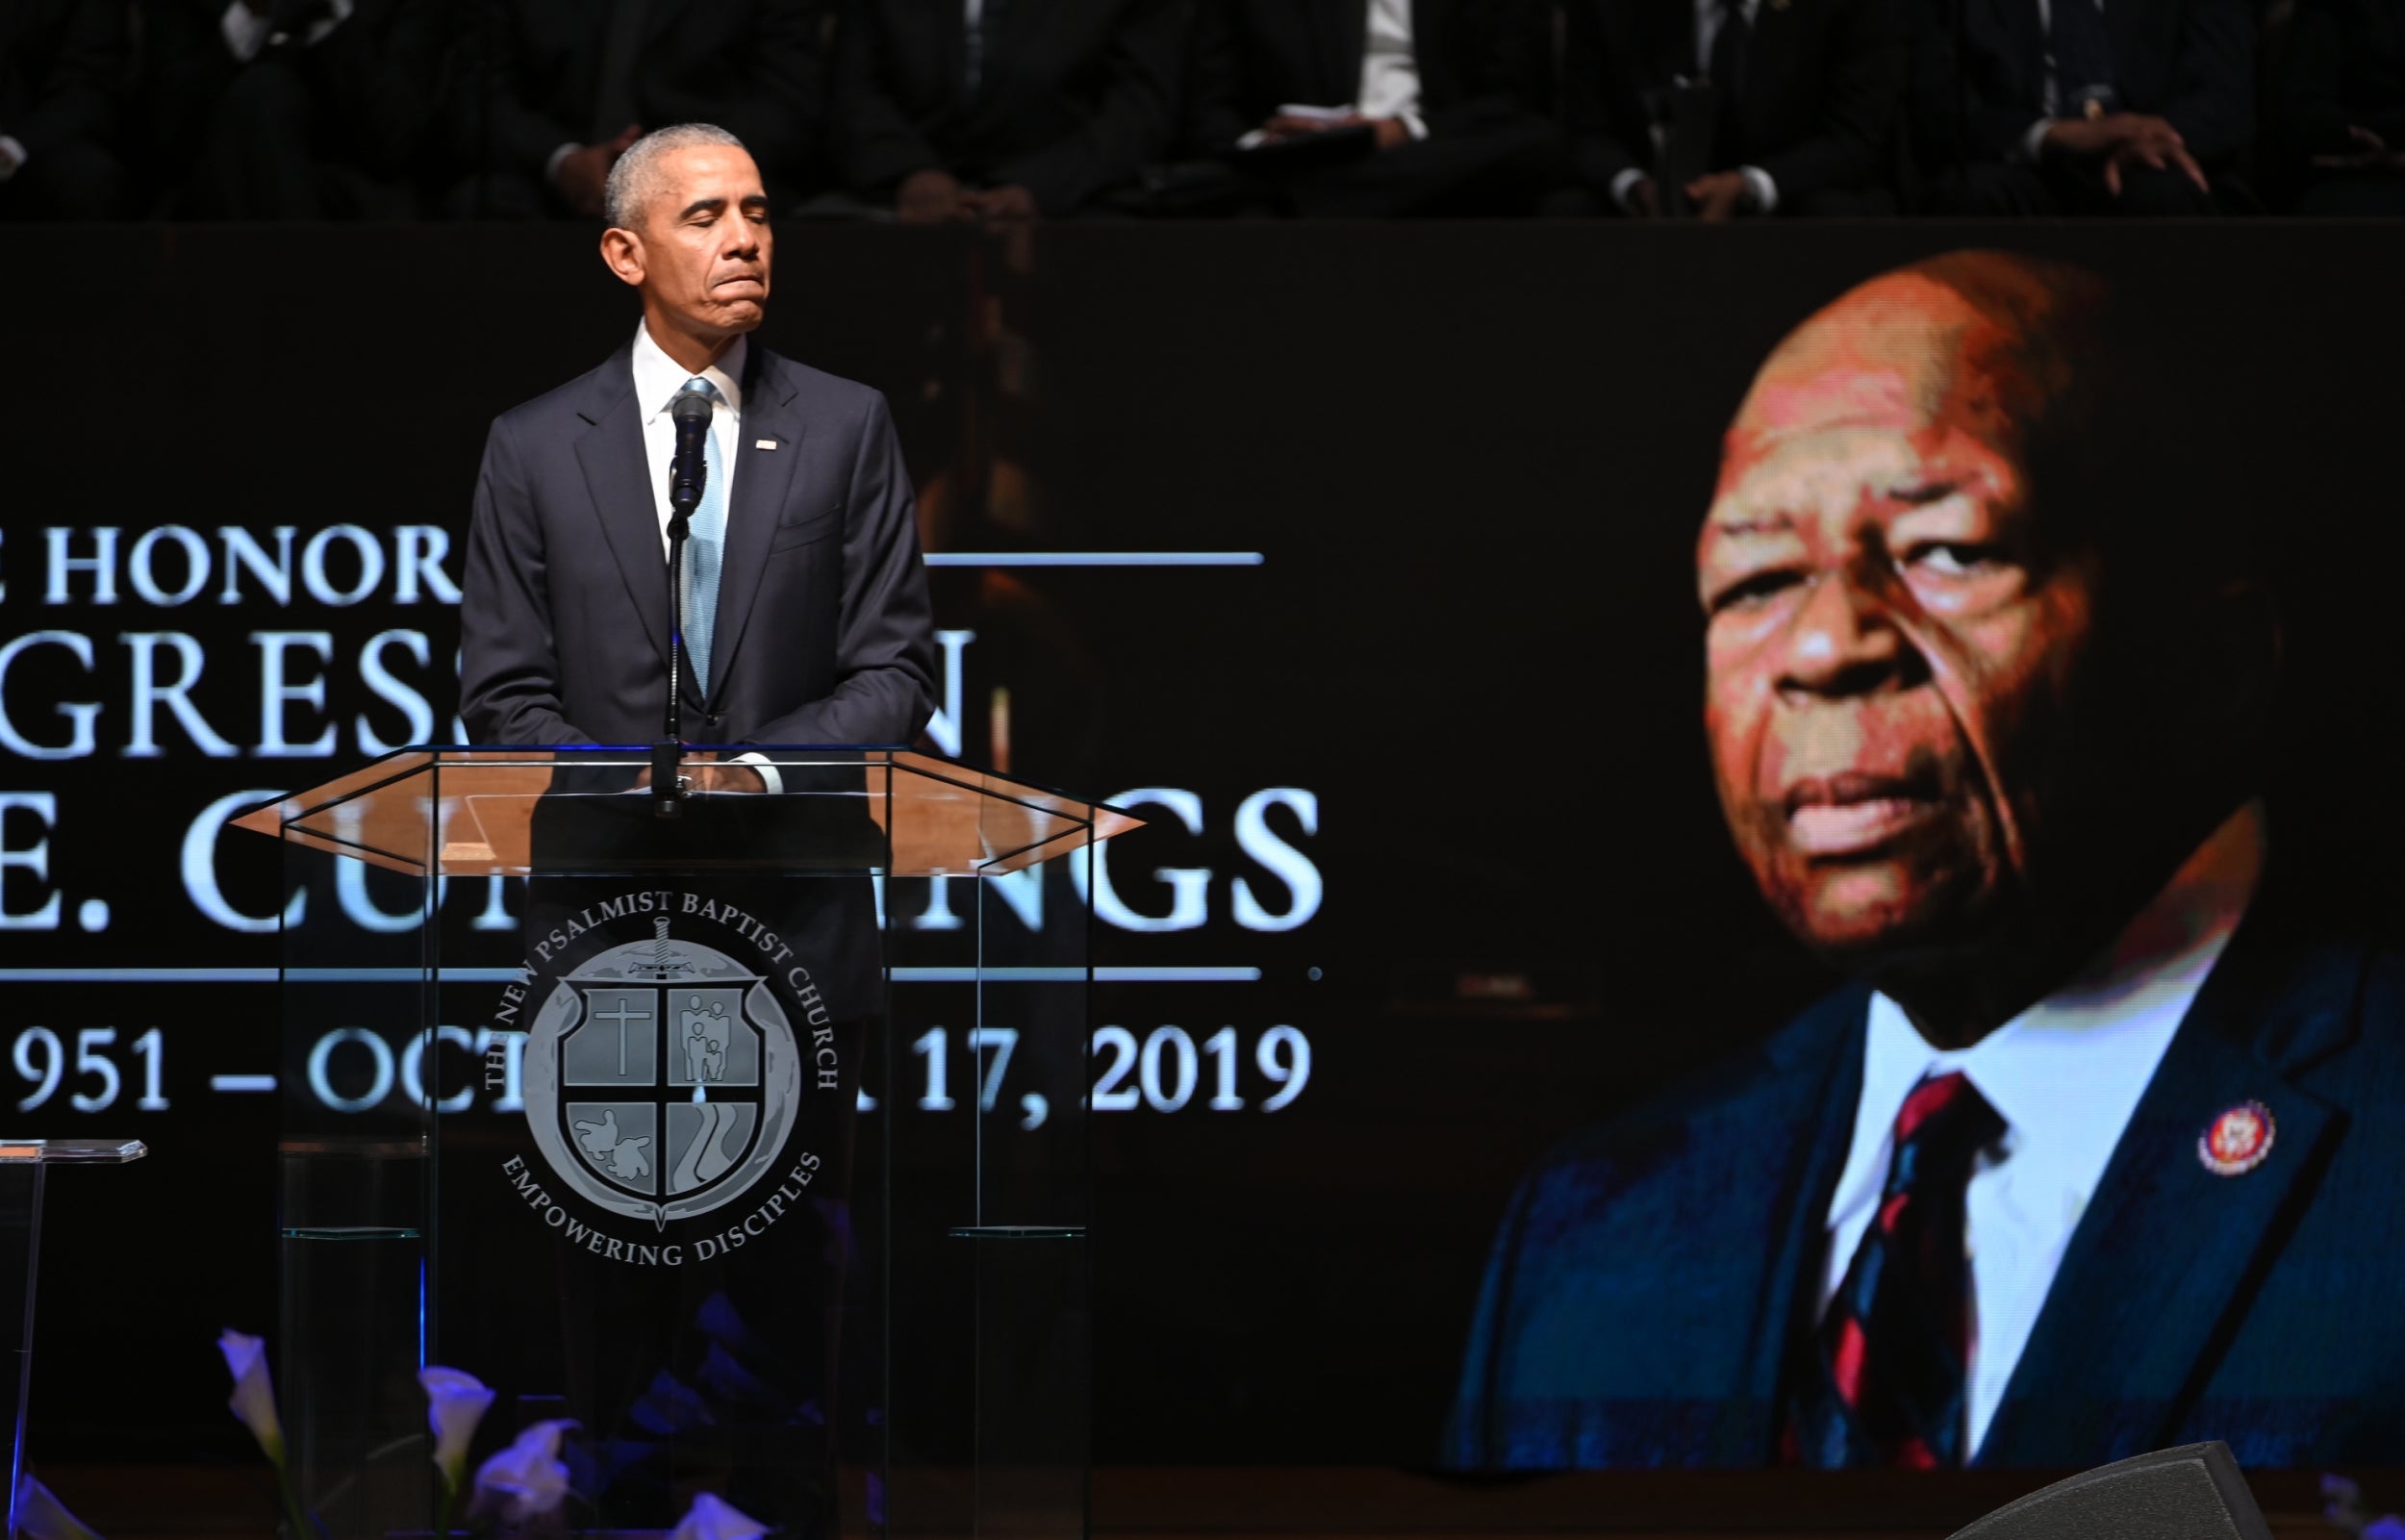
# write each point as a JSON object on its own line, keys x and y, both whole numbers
{"x": 746, "y": 1131}
{"x": 24, "y": 1172}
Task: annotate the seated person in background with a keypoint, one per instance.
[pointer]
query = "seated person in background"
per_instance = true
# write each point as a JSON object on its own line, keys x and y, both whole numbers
{"x": 553, "y": 92}
{"x": 294, "y": 109}
{"x": 1001, "y": 110}
{"x": 60, "y": 67}
{"x": 2342, "y": 107}
{"x": 2052, "y": 107}
{"x": 1805, "y": 93}
{"x": 1443, "y": 101}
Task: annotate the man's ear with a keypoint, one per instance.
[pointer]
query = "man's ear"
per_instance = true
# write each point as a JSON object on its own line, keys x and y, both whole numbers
{"x": 621, "y": 252}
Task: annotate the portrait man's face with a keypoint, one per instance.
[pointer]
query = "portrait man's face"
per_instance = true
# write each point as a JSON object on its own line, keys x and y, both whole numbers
{"x": 1891, "y": 650}
{"x": 705, "y": 247}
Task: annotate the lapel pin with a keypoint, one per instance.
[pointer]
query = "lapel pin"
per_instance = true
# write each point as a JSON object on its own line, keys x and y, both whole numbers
{"x": 764, "y": 444}
{"x": 2238, "y": 1140}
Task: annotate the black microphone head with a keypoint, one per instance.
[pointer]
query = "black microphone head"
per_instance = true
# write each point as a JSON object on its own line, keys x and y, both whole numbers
{"x": 691, "y": 409}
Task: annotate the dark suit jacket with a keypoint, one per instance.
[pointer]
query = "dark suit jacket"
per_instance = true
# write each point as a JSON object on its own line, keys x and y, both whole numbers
{"x": 2189, "y": 61}
{"x": 1074, "y": 97}
{"x": 1645, "y": 1288}
{"x": 1480, "y": 63}
{"x": 376, "y": 80}
{"x": 2344, "y": 66}
{"x": 1823, "y": 88}
{"x": 60, "y": 67}
{"x": 824, "y": 633}
{"x": 750, "y": 66}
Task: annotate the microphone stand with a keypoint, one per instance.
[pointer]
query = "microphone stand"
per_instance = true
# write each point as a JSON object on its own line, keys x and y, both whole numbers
{"x": 668, "y": 788}
{"x": 688, "y": 470}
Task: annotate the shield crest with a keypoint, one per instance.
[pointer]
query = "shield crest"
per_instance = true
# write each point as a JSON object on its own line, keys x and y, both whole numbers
{"x": 670, "y": 1074}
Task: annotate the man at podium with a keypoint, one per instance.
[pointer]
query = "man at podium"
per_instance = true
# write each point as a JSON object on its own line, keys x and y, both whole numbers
{"x": 2098, "y": 1153}
{"x": 806, "y": 615}
{"x": 801, "y": 619}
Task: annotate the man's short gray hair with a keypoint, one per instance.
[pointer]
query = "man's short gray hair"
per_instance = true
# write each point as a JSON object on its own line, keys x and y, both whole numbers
{"x": 635, "y": 179}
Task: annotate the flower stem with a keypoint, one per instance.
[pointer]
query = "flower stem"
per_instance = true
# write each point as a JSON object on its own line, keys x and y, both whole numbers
{"x": 295, "y": 1515}
{"x": 443, "y": 1515}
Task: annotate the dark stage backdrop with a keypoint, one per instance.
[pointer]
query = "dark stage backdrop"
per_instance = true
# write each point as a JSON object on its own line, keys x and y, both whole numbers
{"x": 1426, "y": 783}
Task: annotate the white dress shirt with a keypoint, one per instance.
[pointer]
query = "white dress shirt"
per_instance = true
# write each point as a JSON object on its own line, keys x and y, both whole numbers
{"x": 1390, "y": 66}
{"x": 658, "y": 378}
{"x": 2064, "y": 1075}
{"x": 1760, "y": 191}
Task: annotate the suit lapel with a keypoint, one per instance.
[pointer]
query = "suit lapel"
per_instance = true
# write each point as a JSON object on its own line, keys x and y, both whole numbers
{"x": 2168, "y": 1251}
{"x": 617, "y": 476}
{"x": 1807, "y": 1118}
{"x": 763, "y": 477}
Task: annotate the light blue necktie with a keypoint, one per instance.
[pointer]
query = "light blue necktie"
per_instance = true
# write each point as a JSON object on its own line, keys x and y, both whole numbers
{"x": 705, "y": 547}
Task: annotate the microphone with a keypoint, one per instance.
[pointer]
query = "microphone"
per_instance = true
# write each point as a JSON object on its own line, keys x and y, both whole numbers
{"x": 688, "y": 470}
{"x": 690, "y": 465}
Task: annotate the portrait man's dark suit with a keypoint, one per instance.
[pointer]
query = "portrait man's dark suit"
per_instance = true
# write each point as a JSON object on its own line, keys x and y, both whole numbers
{"x": 1485, "y": 89}
{"x": 1650, "y": 1274}
{"x": 1815, "y": 109}
{"x": 1066, "y": 98}
{"x": 1973, "y": 98}
{"x": 823, "y": 635}
{"x": 2340, "y": 91}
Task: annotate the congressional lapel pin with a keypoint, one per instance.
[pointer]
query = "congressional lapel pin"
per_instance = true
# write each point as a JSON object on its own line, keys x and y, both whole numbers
{"x": 764, "y": 444}
{"x": 2238, "y": 1140}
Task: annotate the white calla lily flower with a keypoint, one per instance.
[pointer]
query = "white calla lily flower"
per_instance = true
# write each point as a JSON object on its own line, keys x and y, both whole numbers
{"x": 41, "y": 1516}
{"x": 526, "y": 1481}
{"x": 455, "y": 1404}
{"x": 714, "y": 1520}
{"x": 254, "y": 1391}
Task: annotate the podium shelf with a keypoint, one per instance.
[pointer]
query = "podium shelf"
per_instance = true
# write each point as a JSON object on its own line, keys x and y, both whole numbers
{"x": 70, "y": 1151}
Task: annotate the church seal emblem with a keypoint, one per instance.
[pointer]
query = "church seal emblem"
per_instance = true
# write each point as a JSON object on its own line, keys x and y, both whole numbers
{"x": 662, "y": 1078}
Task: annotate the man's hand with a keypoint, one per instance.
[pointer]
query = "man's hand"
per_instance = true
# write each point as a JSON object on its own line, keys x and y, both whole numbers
{"x": 2122, "y": 140}
{"x": 1644, "y": 201}
{"x": 1390, "y": 131}
{"x": 1007, "y": 207}
{"x": 929, "y": 198}
{"x": 706, "y": 772}
{"x": 1718, "y": 196}
{"x": 583, "y": 173}
{"x": 2371, "y": 154}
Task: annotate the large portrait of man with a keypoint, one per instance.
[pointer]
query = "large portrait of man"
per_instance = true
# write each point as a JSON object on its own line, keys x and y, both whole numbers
{"x": 2097, "y": 1150}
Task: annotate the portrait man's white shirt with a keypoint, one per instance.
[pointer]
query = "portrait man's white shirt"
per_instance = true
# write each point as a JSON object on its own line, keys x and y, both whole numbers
{"x": 2066, "y": 1076}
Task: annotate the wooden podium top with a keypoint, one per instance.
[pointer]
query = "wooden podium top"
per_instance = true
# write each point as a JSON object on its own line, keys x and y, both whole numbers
{"x": 470, "y": 812}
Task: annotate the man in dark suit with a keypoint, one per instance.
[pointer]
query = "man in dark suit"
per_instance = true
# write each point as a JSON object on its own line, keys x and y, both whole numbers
{"x": 1804, "y": 95}
{"x": 804, "y": 620}
{"x": 552, "y": 92}
{"x": 1371, "y": 107}
{"x": 2342, "y": 107}
{"x": 2097, "y": 1154}
{"x": 294, "y": 110}
{"x": 1001, "y": 110}
{"x": 818, "y": 631}
{"x": 62, "y": 63}
{"x": 2055, "y": 106}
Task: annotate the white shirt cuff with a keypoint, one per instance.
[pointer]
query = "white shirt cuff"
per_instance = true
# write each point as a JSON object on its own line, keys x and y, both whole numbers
{"x": 552, "y": 166}
{"x": 12, "y": 156}
{"x": 768, "y": 772}
{"x": 2033, "y": 142}
{"x": 1624, "y": 189}
{"x": 1412, "y": 123}
{"x": 1760, "y": 188}
{"x": 246, "y": 32}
